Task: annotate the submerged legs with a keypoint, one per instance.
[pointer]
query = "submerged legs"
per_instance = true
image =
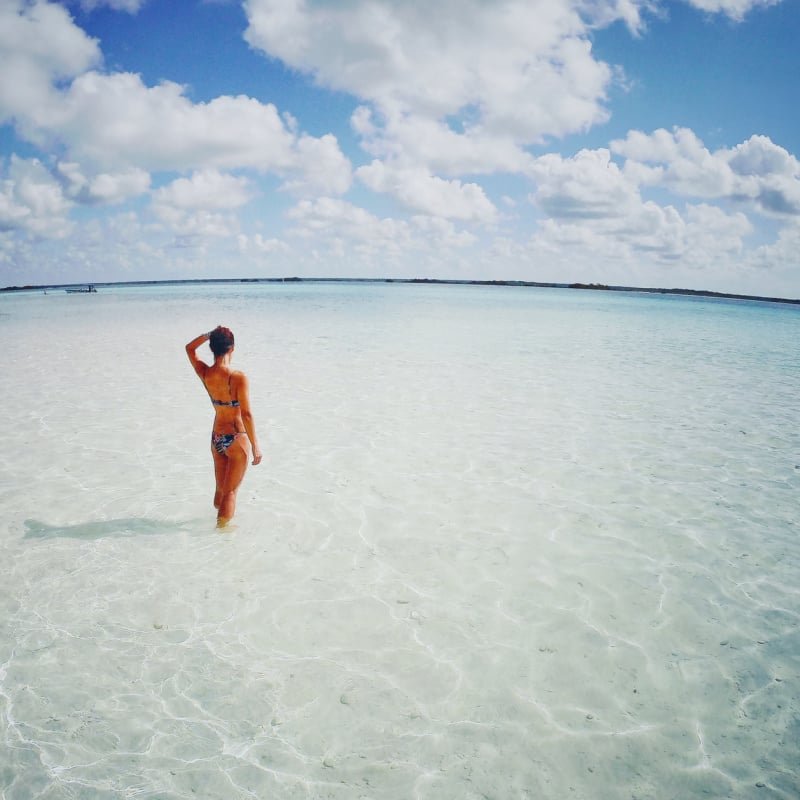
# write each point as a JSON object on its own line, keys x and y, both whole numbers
{"x": 229, "y": 469}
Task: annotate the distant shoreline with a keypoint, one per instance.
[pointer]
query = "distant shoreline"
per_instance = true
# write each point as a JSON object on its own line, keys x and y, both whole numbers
{"x": 436, "y": 281}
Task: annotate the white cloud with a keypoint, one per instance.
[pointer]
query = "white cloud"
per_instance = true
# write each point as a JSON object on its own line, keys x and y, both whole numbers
{"x": 191, "y": 207}
{"x": 319, "y": 167}
{"x": 116, "y": 121}
{"x": 131, "y": 6}
{"x": 209, "y": 189}
{"x": 766, "y": 174}
{"x": 437, "y": 59}
{"x": 709, "y": 230}
{"x": 197, "y": 224}
{"x": 119, "y": 186}
{"x": 509, "y": 72}
{"x": 589, "y": 185}
{"x": 346, "y": 228}
{"x": 39, "y": 45}
{"x": 332, "y": 216}
{"x": 700, "y": 247}
{"x": 756, "y": 171}
{"x": 113, "y": 124}
{"x": 735, "y": 9}
{"x": 784, "y": 253}
{"x": 760, "y": 156}
{"x": 103, "y": 188}
{"x": 442, "y": 232}
{"x": 630, "y": 12}
{"x": 32, "y": 200}
{"x": 683, "y": 162}
{"x": 592, "y": 203}
{"x": 421, "y": 191}
{"x": 444, "y": 93}
{"x": 413, "y": 140}
{"x": 260, "y": 245}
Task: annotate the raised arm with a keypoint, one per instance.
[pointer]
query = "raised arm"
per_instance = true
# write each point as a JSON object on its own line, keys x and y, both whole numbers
{"x": 243, "y": 396}
{"x": 191, "y": 348}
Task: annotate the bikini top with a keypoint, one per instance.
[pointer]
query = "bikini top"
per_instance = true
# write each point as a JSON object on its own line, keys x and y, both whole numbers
{"x": 231, "y": 403}
{"x": 227, "y": 403}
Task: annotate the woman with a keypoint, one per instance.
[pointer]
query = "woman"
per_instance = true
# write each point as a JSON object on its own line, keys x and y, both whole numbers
{"x": 233, "y": 436}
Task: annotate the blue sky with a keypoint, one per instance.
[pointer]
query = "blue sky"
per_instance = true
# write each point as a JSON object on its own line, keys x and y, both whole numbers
{"x": 634, "y": 142}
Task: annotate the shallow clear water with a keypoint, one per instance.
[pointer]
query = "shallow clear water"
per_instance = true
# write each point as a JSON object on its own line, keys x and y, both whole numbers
{"x": 504, "y": 543}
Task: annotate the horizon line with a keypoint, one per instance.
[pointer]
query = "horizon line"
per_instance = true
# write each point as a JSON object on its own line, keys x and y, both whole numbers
{"x": 446, "y": 281}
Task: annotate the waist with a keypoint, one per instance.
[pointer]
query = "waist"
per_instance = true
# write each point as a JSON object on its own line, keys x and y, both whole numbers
{"x": 227, "y": 428}
{"x": 227, "y": 415}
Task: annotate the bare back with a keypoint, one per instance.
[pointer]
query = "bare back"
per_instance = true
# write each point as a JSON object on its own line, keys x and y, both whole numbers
{"x": 223, "y": 385}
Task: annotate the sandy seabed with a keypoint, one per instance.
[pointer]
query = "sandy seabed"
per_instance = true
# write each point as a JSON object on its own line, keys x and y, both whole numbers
{"x": 504, "y": 543}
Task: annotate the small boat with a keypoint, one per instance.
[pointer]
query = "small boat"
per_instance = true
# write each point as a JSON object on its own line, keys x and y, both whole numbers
{"x": 82, "y": 290}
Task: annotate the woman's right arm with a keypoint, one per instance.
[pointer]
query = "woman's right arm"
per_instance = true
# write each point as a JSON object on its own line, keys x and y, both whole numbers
{"x": 199, "y": 367}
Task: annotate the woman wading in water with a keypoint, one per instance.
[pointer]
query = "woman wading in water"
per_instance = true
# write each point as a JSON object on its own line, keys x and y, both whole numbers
{"x": 233, "y": 437}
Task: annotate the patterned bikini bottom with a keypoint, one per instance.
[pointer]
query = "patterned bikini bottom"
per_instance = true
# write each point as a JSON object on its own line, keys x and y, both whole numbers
{"x": 222, "y": 441}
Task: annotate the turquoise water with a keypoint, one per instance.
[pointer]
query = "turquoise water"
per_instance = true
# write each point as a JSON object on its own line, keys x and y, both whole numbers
{"x": 504, "y": 543}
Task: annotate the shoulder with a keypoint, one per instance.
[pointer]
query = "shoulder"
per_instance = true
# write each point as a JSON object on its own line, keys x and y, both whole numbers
{"x": 238, "y": 378}
{"x": 200, "y": 367}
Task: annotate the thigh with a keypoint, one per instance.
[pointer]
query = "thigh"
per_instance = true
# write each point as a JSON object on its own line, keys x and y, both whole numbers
{"x": 236, "y": 456}
{"x": 220, "y": 465}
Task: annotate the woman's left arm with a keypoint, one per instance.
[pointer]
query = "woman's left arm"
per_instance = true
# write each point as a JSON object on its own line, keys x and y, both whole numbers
{"x": 243, "y": 396}
{"x": 199, "y": 366}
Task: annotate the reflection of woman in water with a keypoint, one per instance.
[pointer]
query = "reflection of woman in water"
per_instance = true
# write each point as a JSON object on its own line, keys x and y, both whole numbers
{"x": 234, "y": 433}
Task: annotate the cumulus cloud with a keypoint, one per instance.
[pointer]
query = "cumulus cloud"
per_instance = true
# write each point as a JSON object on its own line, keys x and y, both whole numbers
{"x": 192, "y": 227}
{"x": 131, "y": 6}
{"x": 332, "y": 216}
{"x": 442, "y": 233}
{"x": 413, "y": 140}
{"x": 767, "y": 174}
{"x": 780, "y": 254}
{"x": 659, "y": 246}
{"x": 591, "y": 202}
{"x": 756, "y": 171}
{"x": 510, "y": 72}
{"x": 444, "y": 93}
{"x": 436, "y": 59}
{"x": 346, "y": 228}
{"x": 32, "y": 200}
{"x": 319, "y": 166}
{"x": 457, "y": 87}
{"x": 449, "y": 89}
{"x": 760, "y": 156}
{"x": 209, "y": 189}
{"x": 712, "y": 231}
{"x": 677, "y": 159}
{"x": 115, "y": 121}
{"x": 587, "y": 186}
{"x": 735, "y": 9}
{"x": 630, "y": 12}
{"x": 103, "y": 188}
{"x": 114, "y": 124}
{"x": 258, "y": 244}
{"x": 39, "y": 46}
{"x": 419, "y": 190}
{"x": 196, "y": 206}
